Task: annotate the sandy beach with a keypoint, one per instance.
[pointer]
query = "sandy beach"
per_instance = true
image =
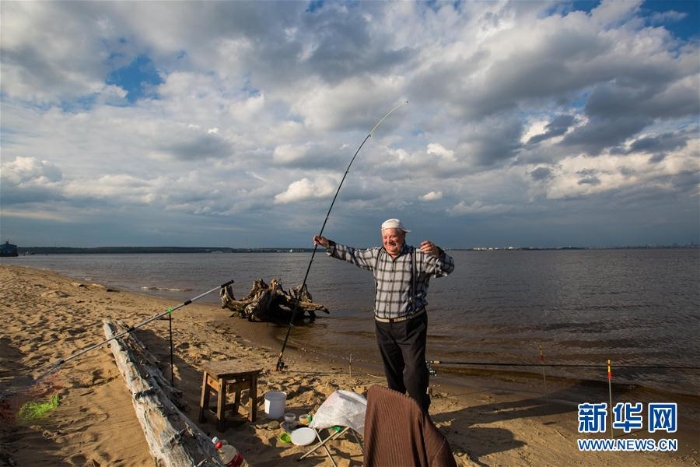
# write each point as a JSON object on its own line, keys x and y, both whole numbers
{"x": 496, "y": 421}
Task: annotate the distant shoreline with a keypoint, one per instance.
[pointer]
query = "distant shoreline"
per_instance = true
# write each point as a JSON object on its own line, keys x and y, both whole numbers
{"x": 46, "y": 250}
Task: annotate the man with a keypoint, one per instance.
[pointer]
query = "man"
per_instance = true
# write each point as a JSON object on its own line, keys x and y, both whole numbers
{"x": 401, "y": 275}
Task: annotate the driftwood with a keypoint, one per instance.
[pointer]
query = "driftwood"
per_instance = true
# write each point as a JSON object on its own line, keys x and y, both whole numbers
{"x": 271, "y": 302}
{"x": 173, "y": 439}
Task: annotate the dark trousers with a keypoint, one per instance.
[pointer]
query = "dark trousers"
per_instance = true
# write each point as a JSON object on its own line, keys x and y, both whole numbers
{"x": 402, "y": 346}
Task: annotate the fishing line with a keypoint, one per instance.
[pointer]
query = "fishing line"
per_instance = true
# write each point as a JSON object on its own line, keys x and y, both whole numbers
{"x": 280, "y": 363}
{"x": 55, "y": 366}
{"x": 563, "y": 365}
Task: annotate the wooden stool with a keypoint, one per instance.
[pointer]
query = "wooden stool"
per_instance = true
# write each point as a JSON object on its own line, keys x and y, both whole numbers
{"x": 225, "y": 377}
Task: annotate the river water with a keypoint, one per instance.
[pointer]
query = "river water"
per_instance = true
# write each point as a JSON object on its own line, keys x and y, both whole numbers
{"x": 571, "y": 309}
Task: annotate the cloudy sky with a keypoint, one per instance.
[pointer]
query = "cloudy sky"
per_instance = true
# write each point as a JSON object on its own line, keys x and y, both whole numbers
{"x": 529, "y": 123}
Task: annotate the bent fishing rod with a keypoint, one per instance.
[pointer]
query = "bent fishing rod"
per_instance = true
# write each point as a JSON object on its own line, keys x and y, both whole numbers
{"x": 280, "y": 362}
{"x": 169, "y": 311}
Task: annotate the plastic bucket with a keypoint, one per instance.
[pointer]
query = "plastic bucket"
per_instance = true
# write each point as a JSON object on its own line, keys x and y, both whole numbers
{"x": 274, "y": 404}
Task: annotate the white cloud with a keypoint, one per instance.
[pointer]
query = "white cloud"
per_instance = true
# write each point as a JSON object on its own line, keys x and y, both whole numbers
{"x": 306, "y": 189}
{"x": 30, "y": 170}
{"x": 287, "y": 153}
{"x": 432, "y": 196}
{"x": 477, "y": 207}
{"x": 443, "y": 153}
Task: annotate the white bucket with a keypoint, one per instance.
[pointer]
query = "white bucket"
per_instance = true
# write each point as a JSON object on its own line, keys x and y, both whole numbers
{"x": 274, "y": 404}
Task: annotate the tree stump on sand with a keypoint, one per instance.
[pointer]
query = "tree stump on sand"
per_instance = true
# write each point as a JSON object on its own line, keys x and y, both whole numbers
{"x": 271, "y": 302}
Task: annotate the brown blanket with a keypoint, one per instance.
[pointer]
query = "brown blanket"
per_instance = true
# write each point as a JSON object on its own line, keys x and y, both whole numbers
{"x": 398, "y": 432}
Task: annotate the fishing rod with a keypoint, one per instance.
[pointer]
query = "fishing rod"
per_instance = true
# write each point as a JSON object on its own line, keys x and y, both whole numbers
{"x": 169, "y": 311}
{"x": 280, "y": 363}
{"x": 560, "y": 365}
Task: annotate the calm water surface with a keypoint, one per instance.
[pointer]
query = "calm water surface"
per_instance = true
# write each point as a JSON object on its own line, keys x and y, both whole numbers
{"x": 577, "y": 307}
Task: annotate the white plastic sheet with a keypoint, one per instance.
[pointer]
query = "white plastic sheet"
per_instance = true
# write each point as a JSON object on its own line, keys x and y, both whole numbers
{"x": 342, "y": 408}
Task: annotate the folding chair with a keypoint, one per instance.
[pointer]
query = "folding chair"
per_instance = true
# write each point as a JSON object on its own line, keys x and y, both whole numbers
{"x": 343, "y": 412}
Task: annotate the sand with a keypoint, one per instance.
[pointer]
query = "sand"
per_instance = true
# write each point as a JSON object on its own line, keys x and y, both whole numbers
{"x": 48, "y": 318}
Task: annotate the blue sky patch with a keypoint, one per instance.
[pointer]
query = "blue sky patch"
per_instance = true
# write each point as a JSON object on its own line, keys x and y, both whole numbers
{"x": 681, "y": 17}
{"x": 138, "y": 78}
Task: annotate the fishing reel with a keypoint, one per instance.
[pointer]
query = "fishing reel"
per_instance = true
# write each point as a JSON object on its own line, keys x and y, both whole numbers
{"x": 431, "y": 371}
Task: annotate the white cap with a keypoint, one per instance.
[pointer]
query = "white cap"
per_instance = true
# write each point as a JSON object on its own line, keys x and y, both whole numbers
{"x": 393, "y": 224}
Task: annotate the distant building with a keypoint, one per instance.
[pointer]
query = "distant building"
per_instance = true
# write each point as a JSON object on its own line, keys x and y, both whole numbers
{"x": 8, "y": 249}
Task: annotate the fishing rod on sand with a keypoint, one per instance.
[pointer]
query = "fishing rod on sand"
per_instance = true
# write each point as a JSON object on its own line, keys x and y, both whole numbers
{"x": 53, "y": 367}
{"x": 280, "y": 362}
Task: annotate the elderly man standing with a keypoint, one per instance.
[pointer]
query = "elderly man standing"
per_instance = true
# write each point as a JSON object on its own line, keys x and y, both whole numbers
{"x": 401, "y": 275}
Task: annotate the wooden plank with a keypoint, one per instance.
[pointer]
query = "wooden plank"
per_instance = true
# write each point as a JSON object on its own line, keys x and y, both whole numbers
{"x": 173, "y": 439}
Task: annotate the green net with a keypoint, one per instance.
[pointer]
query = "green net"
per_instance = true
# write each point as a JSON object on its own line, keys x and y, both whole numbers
{"x": 32, "y": 411}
